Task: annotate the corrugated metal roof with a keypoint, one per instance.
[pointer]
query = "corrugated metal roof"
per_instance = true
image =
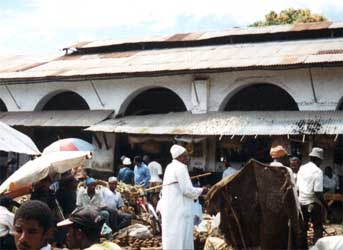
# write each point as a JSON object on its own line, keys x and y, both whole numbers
{"x": 229, "y": 123}
{"x": 235, "y": 56}
{"x": 198, "y": 36}
{"x": 67, "y": 118}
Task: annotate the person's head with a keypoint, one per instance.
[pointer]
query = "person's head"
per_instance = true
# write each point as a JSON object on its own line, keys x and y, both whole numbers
{"x": 122, "y": 158}
{"x": 32, "y": 225}
{"x": 317, "y": 155}
{"x": 328, "y": 171}
{"x": 137, "y": 160}
{"x": 127, "y": 162}
{"x": 91, "y": 184}
{"x": 280, "y": 154}
{"x": 179, "y": 153}
{"x": 295, "y": 164}
{"x": 84, "y": 227}
{"x": 146, "y": 159}
{"x": 112, "y": 183}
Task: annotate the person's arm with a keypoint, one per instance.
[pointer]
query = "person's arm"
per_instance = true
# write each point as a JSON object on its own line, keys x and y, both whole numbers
{"x": 147, "y": 175}
{"x": 120, "y": 201}
{"x": 185, "y": 184}
{"x": 318, "y": 188}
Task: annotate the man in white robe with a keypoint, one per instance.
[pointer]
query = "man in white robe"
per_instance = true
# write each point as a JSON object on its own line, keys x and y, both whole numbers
{"x": 177, "y": 202}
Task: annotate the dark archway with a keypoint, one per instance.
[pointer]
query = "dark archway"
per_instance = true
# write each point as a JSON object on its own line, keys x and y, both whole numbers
{"x": 3, "y": 107}
{"x": 155, "y": 101}
{"x": 261, "y": 97}
{"x": 66, "y": 101}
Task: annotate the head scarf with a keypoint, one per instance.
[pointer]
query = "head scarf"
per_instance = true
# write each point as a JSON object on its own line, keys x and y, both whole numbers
{"x": 277, "y": 152}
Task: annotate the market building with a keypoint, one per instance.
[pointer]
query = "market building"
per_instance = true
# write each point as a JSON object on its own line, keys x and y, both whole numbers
{"x": 223, "y": 94}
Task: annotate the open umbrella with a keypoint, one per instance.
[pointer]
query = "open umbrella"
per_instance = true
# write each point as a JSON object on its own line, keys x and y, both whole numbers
{"x": 11, "y": 140}
{"x": 69, "y": 144}
{"x": 39, "y": 168}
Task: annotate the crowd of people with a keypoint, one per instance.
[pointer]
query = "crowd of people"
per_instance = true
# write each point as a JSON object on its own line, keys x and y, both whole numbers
{"x": 94, "y": 210}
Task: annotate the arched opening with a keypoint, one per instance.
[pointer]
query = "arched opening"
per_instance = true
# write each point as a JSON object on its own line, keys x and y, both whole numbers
{"x": 261, "y": 97}
{"x": 66, "y": 100}
{"x": 257, "y": 97}
{"x": 3, "y": 107}
{"x": 155, "y": 101}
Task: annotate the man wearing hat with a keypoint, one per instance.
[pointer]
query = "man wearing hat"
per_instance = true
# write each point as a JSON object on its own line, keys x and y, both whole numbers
{"x": 126, "y": 174}
{"x": 310, "y": 186}
{"x": 178, "y": 195}
{"x": 84, "y": 229}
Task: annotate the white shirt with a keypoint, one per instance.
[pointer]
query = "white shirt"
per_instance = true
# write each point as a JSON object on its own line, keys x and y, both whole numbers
{"x": 331, "y": 184}
{"x": 309, "y": 181}
{"x": 6, "y": 221}
{"x": 112, "y": 200}
{"x": 47, "y": 247}
{"x": 229, "y": 171}
{"x": 155, "y": 170}
{"x": 83, "y": 199}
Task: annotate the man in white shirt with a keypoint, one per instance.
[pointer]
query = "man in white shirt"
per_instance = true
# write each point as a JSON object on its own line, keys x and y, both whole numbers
{"x": 178, "y": 195}
{"x": 111, "y": 197}
{"x": 310, "y": 186}
{"x": 330, "y": 181}
{"x": 229, "y": 169}
{"x": 113, "y": 203}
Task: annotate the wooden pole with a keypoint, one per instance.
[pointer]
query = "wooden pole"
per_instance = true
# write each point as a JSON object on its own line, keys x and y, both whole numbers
{"x": 174, "y": 182}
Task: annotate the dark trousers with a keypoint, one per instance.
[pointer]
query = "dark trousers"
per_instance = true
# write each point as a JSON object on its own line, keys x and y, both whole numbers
{"x": 313, "y": 213}
{"x": 118, "y": 219}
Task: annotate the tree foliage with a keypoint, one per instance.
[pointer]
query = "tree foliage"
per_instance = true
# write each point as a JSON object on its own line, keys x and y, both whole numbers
{"x": 289, "y": 16}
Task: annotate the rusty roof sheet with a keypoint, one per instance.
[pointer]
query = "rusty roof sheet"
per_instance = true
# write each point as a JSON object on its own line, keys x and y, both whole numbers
{"x": 197, "y": 36}
{"x": 66, "y": 118}
{"x": 228, "y": 123}
{"x": 214, "y": 57}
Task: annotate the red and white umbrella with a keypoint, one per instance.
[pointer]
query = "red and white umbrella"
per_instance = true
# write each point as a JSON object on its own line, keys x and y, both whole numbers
{"x": 69, "y": 144}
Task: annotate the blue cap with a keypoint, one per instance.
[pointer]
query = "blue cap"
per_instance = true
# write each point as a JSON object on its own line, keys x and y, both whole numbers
{"x": 90, "y": 180}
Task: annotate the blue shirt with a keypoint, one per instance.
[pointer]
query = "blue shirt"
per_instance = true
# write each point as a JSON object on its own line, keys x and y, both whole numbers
{"x": 126, "y": 175}
{"x": 142, "y": 175}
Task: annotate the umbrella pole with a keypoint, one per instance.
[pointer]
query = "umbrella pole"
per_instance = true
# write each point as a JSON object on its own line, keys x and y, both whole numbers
{"x": 59, "y": 209}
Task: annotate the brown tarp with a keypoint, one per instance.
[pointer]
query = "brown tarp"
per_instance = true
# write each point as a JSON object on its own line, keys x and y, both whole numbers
{"x": 256, "y": 205}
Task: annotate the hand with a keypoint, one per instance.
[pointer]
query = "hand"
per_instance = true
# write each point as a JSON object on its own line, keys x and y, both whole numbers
{"x": 204, "y": 190}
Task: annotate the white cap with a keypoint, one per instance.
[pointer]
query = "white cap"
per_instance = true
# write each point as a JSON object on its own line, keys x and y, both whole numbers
{"x": 177, "y": 150}
{"x": 317, "y": 152}
{"x": 112, "y": 179}
{"x": 127, "y": 161}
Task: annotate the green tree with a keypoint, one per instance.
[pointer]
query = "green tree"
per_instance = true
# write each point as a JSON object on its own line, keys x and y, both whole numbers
{"x": 289, "y": 16}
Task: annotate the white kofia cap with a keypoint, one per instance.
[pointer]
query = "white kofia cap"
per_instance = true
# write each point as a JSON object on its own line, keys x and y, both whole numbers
{"x": 112, "y": 179}
{"x": 177, "y": 150}
{"x": 317, "y": 152}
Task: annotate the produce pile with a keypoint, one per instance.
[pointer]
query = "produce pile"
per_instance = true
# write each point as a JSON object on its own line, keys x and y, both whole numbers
{"x": 137, "y": 237}
{"x": 138, "y": 244}
{"x": 130, "y": 193}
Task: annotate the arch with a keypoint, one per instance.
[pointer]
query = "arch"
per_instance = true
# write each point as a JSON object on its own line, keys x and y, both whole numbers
{"x": 3, "y": 107}
{"x": 62, "y": 100}
{"x": 259, "y": 96}
{"x": 152, "y": 100}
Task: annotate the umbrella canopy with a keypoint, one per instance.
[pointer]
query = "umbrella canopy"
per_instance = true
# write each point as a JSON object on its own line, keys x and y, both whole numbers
{"x": 69, "y": 144}
{"x": 37, "y": 169}
{"x": 11, "y": 140}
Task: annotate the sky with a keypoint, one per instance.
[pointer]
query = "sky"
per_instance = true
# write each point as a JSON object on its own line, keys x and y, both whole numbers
{"x": 48, "y": 26}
